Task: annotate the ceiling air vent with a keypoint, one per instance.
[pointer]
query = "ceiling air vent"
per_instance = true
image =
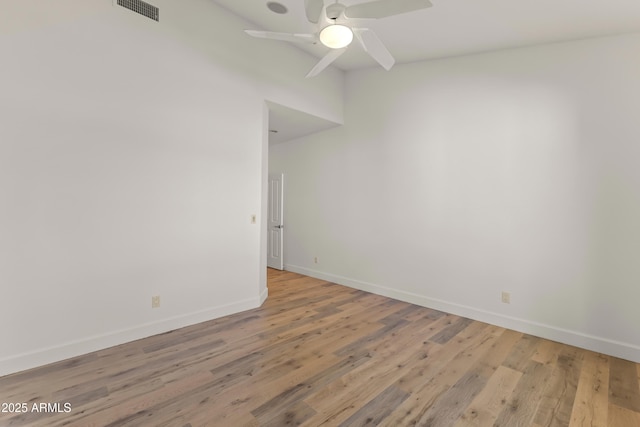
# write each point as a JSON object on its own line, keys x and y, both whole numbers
{"x": 143, "y": 8}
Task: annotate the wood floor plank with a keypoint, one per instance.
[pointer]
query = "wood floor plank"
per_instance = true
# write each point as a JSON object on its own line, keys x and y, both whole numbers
{"x": 453, "y": 356}
{"x": 485, "y": 408}
{"x": 320, "y": 354}
{"x": 558, "y": 399}
{"x": 451, "y": 330}
{"x": 363, "y": 383}
{"x": 294, "y": 415}
{"x": 624, "y": 390}
{"x": 523, "y": 402}
{"x": 377, "y": 409}
{"x": 451, "y": 406}
{"x": 299, "y": 391}
{"x": 619, "y": 416}
{"x": 366, "y": 380}
{"x": 142, "y": 405}
{"x": 241, "y": 399}
{"x": 458, "y": 401}
{"x": 523, "y": 352}
{"x": 546, "y": 352}
{"x": 431, "y": 385}
{"x": 591, "y": 405}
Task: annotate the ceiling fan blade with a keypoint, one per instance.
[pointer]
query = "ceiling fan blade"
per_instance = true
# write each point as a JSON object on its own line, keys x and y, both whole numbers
{"x": 383, "y": 8}
{"x": 313, "y": 8}
{"x": 326, "y": 61}
{"x": 287, "y": 37}
{"x": 374, "y": 47}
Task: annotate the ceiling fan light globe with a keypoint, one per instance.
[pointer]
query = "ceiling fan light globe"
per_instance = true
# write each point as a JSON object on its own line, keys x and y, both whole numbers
{"x": 336, "y": 36}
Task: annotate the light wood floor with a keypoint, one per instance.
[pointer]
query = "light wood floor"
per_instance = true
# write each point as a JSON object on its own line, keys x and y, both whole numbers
{"x": 320, "y": 354}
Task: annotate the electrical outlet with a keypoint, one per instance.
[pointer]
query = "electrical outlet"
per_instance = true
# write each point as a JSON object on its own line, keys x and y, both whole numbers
{"x": 506, "y": 297}
{"x": 155, "y": 301}
{"x": 315, "y": 260}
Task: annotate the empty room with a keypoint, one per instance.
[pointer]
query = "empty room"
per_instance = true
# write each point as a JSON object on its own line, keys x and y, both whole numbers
{"x": 319, "y": 213}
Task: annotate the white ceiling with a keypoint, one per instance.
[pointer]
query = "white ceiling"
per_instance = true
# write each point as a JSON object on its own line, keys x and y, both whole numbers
{"x": 458, "y": 27}
{"x": 449, "y": 28}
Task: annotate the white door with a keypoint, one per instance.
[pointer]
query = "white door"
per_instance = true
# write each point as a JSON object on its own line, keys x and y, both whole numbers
{"x": 275, "y": 224}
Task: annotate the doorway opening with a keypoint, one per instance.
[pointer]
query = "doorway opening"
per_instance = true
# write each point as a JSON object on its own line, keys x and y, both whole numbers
{"x": 285, "y": 125}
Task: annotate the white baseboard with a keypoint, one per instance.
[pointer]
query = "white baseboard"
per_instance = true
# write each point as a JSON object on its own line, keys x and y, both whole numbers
{"x": 578, "y": 339}
{"x": 79, "y": 347}
{"x": 263, "y": 295}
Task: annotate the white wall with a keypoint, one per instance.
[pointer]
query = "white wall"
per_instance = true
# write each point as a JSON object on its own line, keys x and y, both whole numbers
{"x": 457, "y": 179}
{"x": 132, "y": 156}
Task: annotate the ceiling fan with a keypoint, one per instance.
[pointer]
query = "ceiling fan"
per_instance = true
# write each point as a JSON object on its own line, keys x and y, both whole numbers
{"x": 335, "y": 29}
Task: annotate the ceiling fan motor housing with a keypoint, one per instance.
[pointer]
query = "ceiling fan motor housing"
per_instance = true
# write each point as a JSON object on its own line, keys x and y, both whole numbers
{"x": 335, "y": 10}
